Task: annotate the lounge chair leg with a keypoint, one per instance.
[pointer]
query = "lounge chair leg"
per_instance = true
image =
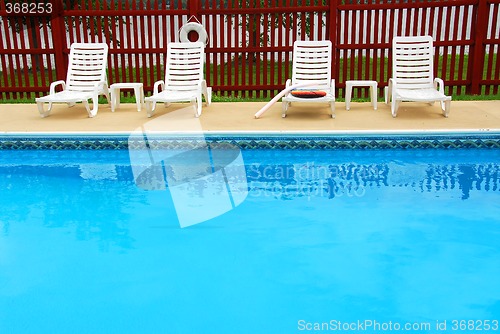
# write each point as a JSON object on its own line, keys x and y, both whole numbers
{"x": 71, "y": 104}
{"x": 284, "y": 108}
{"x": 207, "y": 93}
{"x": 394, "y": 107}
{"x": 92, "y": 112}
{"x": 388, "y": 92}
{"x": 150, "y": 108}
{"x": 446, "y": 109}
{"x": 208, "y": 96}
{"x": 332, "y": 107}
{"x": 197, "y": 107}
{"x": 42, "y": 111}
{"x": 374, "y": 97}
{"x": 106, "y": 94}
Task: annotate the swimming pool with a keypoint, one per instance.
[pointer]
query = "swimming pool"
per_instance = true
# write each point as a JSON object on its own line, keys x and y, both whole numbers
{"x": 320, "y": 233}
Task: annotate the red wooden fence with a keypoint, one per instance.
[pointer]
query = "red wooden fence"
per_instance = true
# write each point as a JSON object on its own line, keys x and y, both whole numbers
{"x": 250, "y": 41}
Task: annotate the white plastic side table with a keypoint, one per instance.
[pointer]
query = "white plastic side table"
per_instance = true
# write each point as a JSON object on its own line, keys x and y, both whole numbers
{"x": 114, "y": 90}
{"x": 349, "y": 84}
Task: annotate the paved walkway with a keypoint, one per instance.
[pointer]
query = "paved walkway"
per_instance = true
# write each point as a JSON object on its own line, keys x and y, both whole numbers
{"x": 239, "y": 117}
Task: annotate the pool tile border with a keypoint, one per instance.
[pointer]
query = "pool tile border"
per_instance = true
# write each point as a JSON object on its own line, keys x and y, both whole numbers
{"x": 251, "y": 141}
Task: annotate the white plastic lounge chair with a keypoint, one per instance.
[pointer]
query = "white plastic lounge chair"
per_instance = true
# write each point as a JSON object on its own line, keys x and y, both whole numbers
{"x": 86, "y": 79}
{"x": 413, "y": 74}
{"x": 183, "y": 78}
{"x": 312, "y": 63}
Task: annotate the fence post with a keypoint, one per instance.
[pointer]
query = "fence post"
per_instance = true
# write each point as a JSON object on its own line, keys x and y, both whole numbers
{"x": 194, "y": 9}
{"x": 59, "y": 38}
{"x": 332, "y": 31}
{"x": 477, "y": 59}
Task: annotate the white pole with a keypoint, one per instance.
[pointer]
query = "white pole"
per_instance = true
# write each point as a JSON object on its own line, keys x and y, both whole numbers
{"x": 281, "y": 94}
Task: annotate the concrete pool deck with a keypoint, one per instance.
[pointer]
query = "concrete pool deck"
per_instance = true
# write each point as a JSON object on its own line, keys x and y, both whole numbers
{"x": 239, "y": 117}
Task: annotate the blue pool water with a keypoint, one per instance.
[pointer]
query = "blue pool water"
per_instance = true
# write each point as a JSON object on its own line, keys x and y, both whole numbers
{"x": 316, "y": 237}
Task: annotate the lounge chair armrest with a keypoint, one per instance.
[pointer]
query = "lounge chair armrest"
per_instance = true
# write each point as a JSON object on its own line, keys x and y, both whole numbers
{"x": 388, "y": 91}
{"x": 99, "y": 85}
{"x": 439, "y": 84}
{"x": 54, "y": 84}
{"x": 203, "y": 85}
{"x": 332, "y": 87}
{"x": 391, "y": 85}
{"x": 158, "y": 84}
{"x": 288, "y": 83}
{"x": 206, "y": 91}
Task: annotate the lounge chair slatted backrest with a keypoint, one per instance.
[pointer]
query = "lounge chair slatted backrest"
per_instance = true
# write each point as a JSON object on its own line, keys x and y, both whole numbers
{"x": 413, "y": 63}
{"x": 311, "y": 68}
{"x": 184, "y": 68}
{"x": 87, "y": 66}
{"x": 184, "y": 81}
{"x": 312, "y": 62}
{"x": 413, "y": 74}
{"x": 86, "y": 79}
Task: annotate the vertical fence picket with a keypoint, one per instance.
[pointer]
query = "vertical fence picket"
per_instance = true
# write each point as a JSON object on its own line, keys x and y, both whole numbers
{"x": 374, "y": 53}
{"x": 23, "y": 60}
{"x": 479, "y": 49}
{"x": 244, "y": 55}
{"x": 262, "y": 75}
{"x": 155, "y": 31}
{"x": 279, "y": 46}
{"x": 80, "y": 30}
{"x": 453, "y": 60}
{"x": 225, "y": 44}
{"x": 363, "y": 59}
{"x": 114, "y": 45}
{"x": 231, "y": 56}
{"x": 492, "y": 70}
{"x": 352, "y": 49}
{"x": 121, "y": 75}
{"x": 92, "y": 22}
{"x": 237, "y": 55}
{"x": 139, "y": 39}
{"x": 334, "y": 34}
{"x": 438, "y": 38}
{"x": 134, "y": 44}
{"x": 287, "y": 47}
{"x": 36, "y": 59}
{"x": 461, "y": 54}
{"x": 346, "y": 52}
{"x": 444, "y": 65}
{"x": 384, "y": 50}
{"x": 8, "y": 59}
{"x": 272, "y": 42}
{"x": 252, "y": 39}
{"x": 302, "y": 21}
{"x": 42, "y": 45}
{"x": 495, "y": 35}
{"x": 368, "y": 51}
{"x": 4, "y": 79}
{"x": 258, "y": 65}
{"x": 16, "y": 60}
